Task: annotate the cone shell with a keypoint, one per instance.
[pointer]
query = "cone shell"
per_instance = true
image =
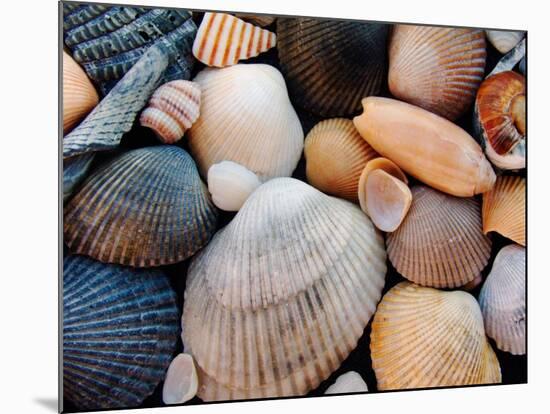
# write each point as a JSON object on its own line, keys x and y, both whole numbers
{"x": 147, "y": 207}
{"x": 440, "y": 243}
{"x": 331, "y": 65}
{"x": 172, "y": 109}
{"x": 428, "y": 147}
{"x": 223, "y": 40}
{"x": 504, "y": 41}
{"x": 246, "y": 117}
{"x": 436, "y": 68}
{"x": 295, "y": 262}
{"x": 335, "y": 156}
{"x": 181, "y": 382}
{"x": 502, "y": 300}
{"x": 231, "y": 184}
{"x": 349, "y": 382}
{"x": 423, "y": 337}
{"x": 120, "y": 328}
{"x": 79, "y": 95}
{"x": 504, "y": 208}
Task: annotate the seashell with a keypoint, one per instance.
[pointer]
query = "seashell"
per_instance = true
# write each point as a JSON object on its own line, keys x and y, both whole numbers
{"x": 423, "y": 338}
{"x": 473, "y": 284}
{"x": 231, "y": 184}
{"x": 172, "y": 109}
{"x": 335, "y": 155}
{"x": 181, "y": 381}
{"x": 426, "y": 146}
{"x": 504, "y": 41}
{"x": 261, "y": 20}
{"x": 440, "y": 243}
{"x": 510, "y": 60}
{"x": 331, "y": 65}
{"x": 79, "y": 95}
{"x": 147, "y": 207}
{"x": 389, "y": 200}
{"x": 223, "y": 40}
{"x": 502, "y": 300}
{"x": 246, "y": 117}
{"x": 295, "y": 262}
{"x": 74, "y": 171}
{"x": 500, "y": 120}
{"x": 504, "y": 208}
{"x": 436, "y": 68}
{"x": 120, "y": 328}
{"x": 523, "y": 66}
{"x": 78, "y": 14}
{"x": 349, "y": 382}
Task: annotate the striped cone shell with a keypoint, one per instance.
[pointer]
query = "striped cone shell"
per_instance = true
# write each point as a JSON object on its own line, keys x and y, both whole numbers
{"x": 223, "y": 40}
{"x": 246, "y": 117}
{"x": 331, "y": 65}
{"x": 436, "y": 68}
{"x": 423, "y": 337}
{"x": 172, "y": 109}
{"x": 120, "y": 328}
{"x": 147, "y": 207}
{"x": 440, "y": 242}
{"x": 280, "y": 296}
{"x": 335, "y": 156}
{"x": 504, "y": 208}
{"x": 504, "y": 40}
{"x": 502, "y": 300}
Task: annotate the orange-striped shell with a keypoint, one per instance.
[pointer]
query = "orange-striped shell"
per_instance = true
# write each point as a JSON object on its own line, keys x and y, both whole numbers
{"x": 504, "y": 208}
{"x": 223, "y": 40}
{"x": 440, "y": 243}
{"x": 172, "y": 109}
{"x": 436, "y": 68}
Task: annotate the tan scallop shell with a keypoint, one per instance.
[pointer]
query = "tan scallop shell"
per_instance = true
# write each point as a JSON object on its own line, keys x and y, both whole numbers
{"x": 504, "y": 208}
{"x": 246, "y": 117}
{"x": 79, "y": 95}
{"x": 436, "y": 68}
{"x": 440, "y": 243}
{"x": 335, "y": 155}
{"x": 504, "y": 40}
{"x": 423, "y": 337}
{"x": 281, "y": 295}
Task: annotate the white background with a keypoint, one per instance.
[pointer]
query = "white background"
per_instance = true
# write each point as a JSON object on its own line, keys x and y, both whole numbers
{"x": 29, "y": 209}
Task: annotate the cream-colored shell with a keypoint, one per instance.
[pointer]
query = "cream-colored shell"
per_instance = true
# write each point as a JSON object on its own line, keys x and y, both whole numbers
{"x": 231, "y": 184}
{"x": 503, "y": 40}
{"x": 181, "y": 382}
{"x": 349, "y": 382}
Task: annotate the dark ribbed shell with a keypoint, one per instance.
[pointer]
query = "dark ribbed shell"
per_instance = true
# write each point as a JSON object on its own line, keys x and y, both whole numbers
{"x": 120, "y": 329}
{"x": 147, "y": 207}
{"x": 74, "y": 171}
{"x": 330, "y": 66}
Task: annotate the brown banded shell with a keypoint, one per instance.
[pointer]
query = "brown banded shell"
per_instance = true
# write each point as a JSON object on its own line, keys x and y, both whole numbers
{"x": 423, "y": 337}
{"x": 504, "y": 40}
{"x": 436, "y": 68}
{"x": 440, "y": 243}
{"x": 335, "y": 155}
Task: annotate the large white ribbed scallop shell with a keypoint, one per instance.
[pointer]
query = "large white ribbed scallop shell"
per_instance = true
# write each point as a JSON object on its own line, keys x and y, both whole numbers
{"x": 246, "y": 117}
{"x": 423, "y": 337}
{"x": 502, "y": 300}
{"x": 281, "y": 295}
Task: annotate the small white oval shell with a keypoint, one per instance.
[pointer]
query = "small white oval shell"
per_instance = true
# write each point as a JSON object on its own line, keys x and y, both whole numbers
{"x": 181, "y": 382}
{"x": 349, "y": 382}
{"x": 230, "y": 184}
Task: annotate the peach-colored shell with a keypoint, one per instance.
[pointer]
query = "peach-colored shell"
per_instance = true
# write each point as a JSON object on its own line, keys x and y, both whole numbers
{"x": 427, "y": 146}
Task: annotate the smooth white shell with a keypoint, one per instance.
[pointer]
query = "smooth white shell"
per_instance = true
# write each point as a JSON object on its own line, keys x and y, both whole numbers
{"x": 502, "y": 40}
{"x": 181, "y": 382}
{"x": 230, "y": 184}
{"x": 348, "y": 382}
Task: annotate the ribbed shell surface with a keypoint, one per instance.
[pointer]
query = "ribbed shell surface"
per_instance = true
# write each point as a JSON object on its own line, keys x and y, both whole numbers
{"x": 120, "y": 329}
{"x": 423, "y": 337}
{"x": 504, "y": 40}
{"x": 502, "y": 300}
{"x": 147, "y": 207}
{"x": 436, "y": 68}
{"x": 281, "y": 295}
{"x": 74, "y": 171}
{"x": 246, "y": 117}
{"x": 335, "y": 157}
{"x": 331, "y": 65}
{"x": 440, "y": 242}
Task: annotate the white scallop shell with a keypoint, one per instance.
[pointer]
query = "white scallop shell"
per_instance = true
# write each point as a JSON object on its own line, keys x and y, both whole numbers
{"x": 231, "y": 184}
{"x": 349, "y": 382}
{"x": 504, "y": 40}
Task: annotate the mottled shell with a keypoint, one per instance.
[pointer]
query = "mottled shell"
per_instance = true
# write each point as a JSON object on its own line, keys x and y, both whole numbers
{"x": 120, "y": 328}
{"x": 504, "y": 208}
{"x": 423, "y": 337}
{"x": 79, "y": 95}
{"x": 280, "y": 296}
{"x": 436, "y": 68}
{"x": 172, "y": 109}
{"x": 231, "y": 184}
{"x": 504, "y": 41}
{"x": 428, "y": 147}
{"x": 181, "y": 382}
{"x": 223, "y": 40}
{"x": 330, "y": 65}
{"x": 440, "y": 243}
{"x": 147, "y": 207}
{"x": 346, "y": 383}
{"x": 246, "y": 117}
{"x": 335, "y": 155}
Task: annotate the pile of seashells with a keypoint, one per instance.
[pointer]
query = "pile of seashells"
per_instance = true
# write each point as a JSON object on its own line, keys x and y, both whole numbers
{"x": 309, "y": 205}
